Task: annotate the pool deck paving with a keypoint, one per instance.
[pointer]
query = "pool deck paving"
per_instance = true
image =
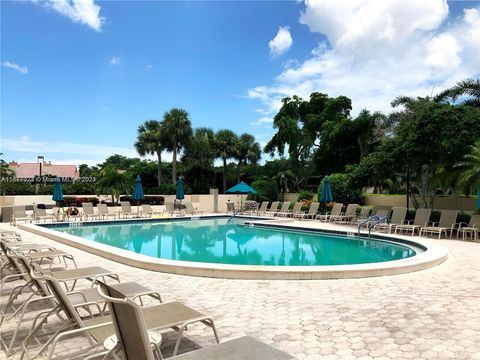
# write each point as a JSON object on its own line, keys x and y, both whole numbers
{"x": 428, "y": 314}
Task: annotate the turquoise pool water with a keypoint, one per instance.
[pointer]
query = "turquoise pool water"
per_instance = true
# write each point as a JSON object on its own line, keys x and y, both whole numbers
{"x": 219, "y": 241}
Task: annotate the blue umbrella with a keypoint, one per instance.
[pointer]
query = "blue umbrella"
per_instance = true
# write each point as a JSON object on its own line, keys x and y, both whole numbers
{"x": 180, "y": 193}
{"x": 57, "y": 193}
{"x": 326, "y": 193}
{"x": 138, "y": 191}
{"x": 241, "y": 188}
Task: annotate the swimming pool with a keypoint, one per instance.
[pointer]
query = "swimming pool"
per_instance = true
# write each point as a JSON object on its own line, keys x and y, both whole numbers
{"x": 218, "y": 240}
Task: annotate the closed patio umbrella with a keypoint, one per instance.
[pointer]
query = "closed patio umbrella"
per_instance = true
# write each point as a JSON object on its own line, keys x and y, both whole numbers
{"x": 138, "y": 192}
{"x": 57, "y": 193}
{"x": 180, "y": 195}
{"x": 326, "y": 193}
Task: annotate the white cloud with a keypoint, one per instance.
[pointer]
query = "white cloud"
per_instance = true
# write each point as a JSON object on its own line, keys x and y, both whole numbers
{"x": 149, "y": 67}
{"x": 19, "y": 68}
{"x": 262, "y": 121}
{"x": 376, "y": 51}
{"x": 80, "y": 11}
{"x": 115, "y": 60}
{"x": 281, "y": 42}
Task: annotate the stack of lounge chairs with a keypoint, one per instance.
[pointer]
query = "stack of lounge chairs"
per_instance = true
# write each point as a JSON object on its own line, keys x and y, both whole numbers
{"x": 91, "y": 303}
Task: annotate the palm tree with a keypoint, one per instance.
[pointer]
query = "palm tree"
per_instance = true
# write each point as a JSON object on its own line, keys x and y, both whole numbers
{"x": 177, "y": 128}
{"x": 370, "y": 130}
{"x": 467, "y": 87}
{"x": 248, "y": 151}
{"x": 471, "y": 166}
{"x": 150, "y": 140}
{"x": 198, "y": 157}
{"x": 226, "y": 148}
{"x": 112, "y": 182}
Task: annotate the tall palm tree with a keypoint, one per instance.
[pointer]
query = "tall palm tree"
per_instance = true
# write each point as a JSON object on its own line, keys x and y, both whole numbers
{"x": 177, "y": 128}
{"x": 150, "y": 140}
{"x": 248, "y": 151}
{"x": 471, "y": 168}
{"x": 226, "y": 148}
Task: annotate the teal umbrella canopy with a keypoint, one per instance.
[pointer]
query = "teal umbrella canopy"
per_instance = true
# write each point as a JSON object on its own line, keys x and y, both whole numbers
{"x": 138, "y": 190}
{"x": 478, "y": 199}
{"x": 326, "y": 193}
{"x": 57, "y": 191}
{"x": 180, "y": 192}
{"x": 241, "y": 188}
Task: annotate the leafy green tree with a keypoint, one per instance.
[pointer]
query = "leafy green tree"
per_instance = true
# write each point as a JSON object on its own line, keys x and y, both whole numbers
{"x": 433, "y": 135}
{"x": 111, "y": 182}
{"x": 470, "y": 166}
{"x": 177, "y": 128}
{"x": 151, "y": 140}
{"x": 343, "y": 190}
{"x": 226, "y": 148}
{"x": 291, "y": 135}
{"x": 119, "y": 162}
{"x": 198, "y": 158}
{"x": 248, "y": 152}
{"x": 266, "y": 190}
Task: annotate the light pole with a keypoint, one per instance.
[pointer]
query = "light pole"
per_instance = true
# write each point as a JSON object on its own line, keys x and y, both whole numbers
{"x": 40, "y": 160}
{"x": 282, "y": 179}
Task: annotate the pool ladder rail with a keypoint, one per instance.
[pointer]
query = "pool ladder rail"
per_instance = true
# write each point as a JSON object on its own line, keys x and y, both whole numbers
{"x": 372, "y": 221}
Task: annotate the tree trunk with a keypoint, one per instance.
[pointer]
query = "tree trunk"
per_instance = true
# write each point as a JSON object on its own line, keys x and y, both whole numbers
{"x": 424, "y": 186}
{"x": 174, "y": 165}
{"x": 159, "y": 167}
{"x": 238, "y": 170}
{"x": 224, "y": 175}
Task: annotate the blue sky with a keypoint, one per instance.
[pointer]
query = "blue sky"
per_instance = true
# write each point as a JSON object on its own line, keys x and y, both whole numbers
{"x": 78, "y": 77}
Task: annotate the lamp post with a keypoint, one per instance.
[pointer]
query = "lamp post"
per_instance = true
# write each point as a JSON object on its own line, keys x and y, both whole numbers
{"x": 282, "y": 179}
{"x": 40, "y": 160}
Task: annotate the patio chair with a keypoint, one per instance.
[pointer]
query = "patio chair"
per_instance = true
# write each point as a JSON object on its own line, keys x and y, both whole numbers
{"x": 284, "y": 209}
{"x": 104, "y": 212}
{"x": 472, "y": 228}
{"x": 346, "y": 217}
{"x": 272, "y": 210}
{"x": 170, "y": 208}
{"x": 148, "y": 211}
{"x": 448, "y": 219}
{"x": 363, "y": 215}
{"x": 312, "y": 212}
{"x": 189, "y": 209}
{"x": 336, "y": 211}
{"x": 398, "y": 218}
{"x": 126, "y": 210}
{"x": 81, "y": 299}
{"x": 19, "y": 214}
{"x": 41, "y": 214}
{"x": 89, "y": 212}
{"x": 262, "y": 208}
{"x": 421, "y": 219}
{"x": 173, "y": 315}
{"x": 297, "y": 209}
{"x": 230, "y": 207}
{"x": 134, "y": 341}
